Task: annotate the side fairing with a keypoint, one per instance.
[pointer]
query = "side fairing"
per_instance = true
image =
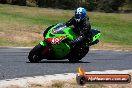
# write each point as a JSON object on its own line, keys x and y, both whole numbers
{"x": 61, "y": 49}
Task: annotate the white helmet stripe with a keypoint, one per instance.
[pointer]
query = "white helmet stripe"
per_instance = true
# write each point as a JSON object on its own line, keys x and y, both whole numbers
{"x": 79, "y": 10}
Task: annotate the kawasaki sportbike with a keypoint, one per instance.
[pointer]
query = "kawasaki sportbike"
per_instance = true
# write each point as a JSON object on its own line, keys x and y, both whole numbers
{"x": 55, "y": 45}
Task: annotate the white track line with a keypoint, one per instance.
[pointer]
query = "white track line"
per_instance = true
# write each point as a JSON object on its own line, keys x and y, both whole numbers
{"x": 48, "y": 79}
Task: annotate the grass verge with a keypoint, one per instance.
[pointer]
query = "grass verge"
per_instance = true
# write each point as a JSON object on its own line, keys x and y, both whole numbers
{"x": 22, "y": 26}
{"x": 73, "y": 84}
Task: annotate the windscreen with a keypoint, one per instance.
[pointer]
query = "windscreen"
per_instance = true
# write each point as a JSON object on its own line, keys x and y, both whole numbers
{"x": 59, "y": 29}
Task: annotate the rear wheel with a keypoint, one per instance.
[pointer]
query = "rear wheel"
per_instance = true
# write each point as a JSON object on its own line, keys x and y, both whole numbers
{"x": 78, "y": 54}
{"x": 35, "y": 54}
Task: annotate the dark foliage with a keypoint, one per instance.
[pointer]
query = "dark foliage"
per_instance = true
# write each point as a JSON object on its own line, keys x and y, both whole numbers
{"x": 90, "y": 5}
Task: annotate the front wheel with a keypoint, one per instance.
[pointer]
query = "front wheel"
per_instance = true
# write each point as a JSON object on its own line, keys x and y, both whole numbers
{"x": 78, "y": 54}
{"x": 35, "y": 54}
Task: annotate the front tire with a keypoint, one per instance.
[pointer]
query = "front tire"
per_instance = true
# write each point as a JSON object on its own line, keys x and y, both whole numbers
{"x": 35, "y": 54}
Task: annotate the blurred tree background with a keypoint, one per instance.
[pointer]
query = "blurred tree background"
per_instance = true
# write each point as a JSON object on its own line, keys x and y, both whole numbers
{"x": 90, "y": 5}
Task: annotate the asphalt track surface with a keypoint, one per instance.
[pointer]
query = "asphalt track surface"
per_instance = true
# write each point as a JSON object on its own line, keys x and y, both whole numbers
{"x": 14, "y": 63}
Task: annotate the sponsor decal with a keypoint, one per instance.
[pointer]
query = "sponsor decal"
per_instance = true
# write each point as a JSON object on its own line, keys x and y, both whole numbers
{"x": 83, "y": 78}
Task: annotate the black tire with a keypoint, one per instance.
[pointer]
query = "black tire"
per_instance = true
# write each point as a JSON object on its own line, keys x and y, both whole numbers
{"x": 78, "y": 54}
{"x": 35, "y": 54}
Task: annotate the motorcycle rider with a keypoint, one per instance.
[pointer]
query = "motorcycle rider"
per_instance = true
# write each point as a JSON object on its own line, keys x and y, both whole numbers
{"x": 81, "y": 24}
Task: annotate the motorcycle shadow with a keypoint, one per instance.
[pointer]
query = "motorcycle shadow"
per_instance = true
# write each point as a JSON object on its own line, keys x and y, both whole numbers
{"x": 60, "y": 62}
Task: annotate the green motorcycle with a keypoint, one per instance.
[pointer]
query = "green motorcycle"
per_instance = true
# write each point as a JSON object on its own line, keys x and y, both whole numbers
{"x": 55, "y": 45}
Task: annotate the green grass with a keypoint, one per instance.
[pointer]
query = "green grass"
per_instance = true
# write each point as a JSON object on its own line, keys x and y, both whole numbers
{"x": 115, "y": 28}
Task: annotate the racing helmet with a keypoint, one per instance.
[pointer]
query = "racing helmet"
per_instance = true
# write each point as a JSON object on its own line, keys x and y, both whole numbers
{"x": 80, "y": 14}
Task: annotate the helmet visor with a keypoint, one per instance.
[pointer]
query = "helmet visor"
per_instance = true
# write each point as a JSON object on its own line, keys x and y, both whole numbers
{"x": 78, "y": 16}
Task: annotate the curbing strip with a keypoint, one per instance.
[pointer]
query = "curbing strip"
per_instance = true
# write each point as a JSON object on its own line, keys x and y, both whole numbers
{"x": 26, "y": 82}
{"x": 43, "y": 80}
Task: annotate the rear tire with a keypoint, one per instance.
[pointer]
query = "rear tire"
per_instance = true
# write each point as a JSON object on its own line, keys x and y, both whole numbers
{"x": 35, "y": 54}
{"x": 78, "y": 54}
